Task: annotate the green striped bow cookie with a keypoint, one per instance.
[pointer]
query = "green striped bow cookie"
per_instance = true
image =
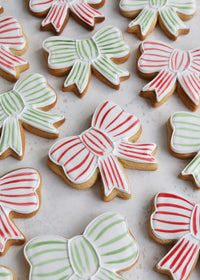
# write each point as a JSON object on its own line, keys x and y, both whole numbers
{"x": 6, "y": 273}
{"x": 105, "y": 247}
{"x": 23, "y": 107}
{"x": 79, "y": 57}
{"x": 184, "y": 129}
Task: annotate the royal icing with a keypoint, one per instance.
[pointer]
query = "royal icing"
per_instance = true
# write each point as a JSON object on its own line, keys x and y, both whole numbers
{"x": 172, "y": 65}
{"x": 11, "y": 39}
{"x": 17, "y": 194}
{"x": 176, "y": 218}
{"x": 100, "y": 146}
{"x": 185, "y": 139}
{"x": 22, "y": 105}
{"x": 82, "y": 55}
{"x": 59, "y": 11}
{"x": 105, "y": 247}
{"x": 5, "y": 273}
{"x": 167, "y": 10}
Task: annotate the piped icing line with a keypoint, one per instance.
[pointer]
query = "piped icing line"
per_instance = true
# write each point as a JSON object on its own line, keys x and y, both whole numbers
{"x": 18, "y": 194}
{"x": 5, "y": 272}
{"x": 12, "y": 40}
{"x": 185, "y": 141}
{"x": 172, "y": 66}
{"x": 102, "y": 146}
{"x": 169, "y": 13}
{"x": 57, "y": 12}
{"x": 176, "y": 218}
{"x": 23, "y": 106}
{"x": 80, "y": 56}
{"x": 105, "y": 247}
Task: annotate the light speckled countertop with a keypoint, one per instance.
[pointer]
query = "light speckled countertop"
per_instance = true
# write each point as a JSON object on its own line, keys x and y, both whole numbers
{"x": 66, "y": 211}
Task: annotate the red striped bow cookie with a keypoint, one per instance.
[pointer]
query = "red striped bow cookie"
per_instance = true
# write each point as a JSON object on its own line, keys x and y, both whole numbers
{"x": 104, "y": 148}
{"x": 12, "y": 43}
{"x": 176, "y": 219}
{"x": 173, "y": 69}
{"x": 57, "y": 12}
{"x": 19, "y": 195}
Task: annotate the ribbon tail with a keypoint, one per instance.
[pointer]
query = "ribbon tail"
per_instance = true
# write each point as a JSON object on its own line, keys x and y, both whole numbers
{"x": 41, "y": 120}
{"x": 181, "y": 258}
{"x": 193, "y": 169}
{"x": 7, "y": 230}
{"x": 9, "y": 62}
{"x": 144, "y": 20}
{"x": 136, "y": 153}
{"x": 110, "y": 71}
{"x": 163, "y": 84}
{"x": 11, "y": 137}
{"x": 105, "y": 274}
{"x": 57, "y": 16}
{"x": 113, "y": 176}
{"x": 78, "y": 76}
{"x": 172, "y": 22}
{"x": 190, "y": 83}
{"x": 86, "y": 13}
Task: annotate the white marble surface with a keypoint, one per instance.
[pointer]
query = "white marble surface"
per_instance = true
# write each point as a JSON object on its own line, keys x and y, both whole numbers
{"x": 66, "y": 211}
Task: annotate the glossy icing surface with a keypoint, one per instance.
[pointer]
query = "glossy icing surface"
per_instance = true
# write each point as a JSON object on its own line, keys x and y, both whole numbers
{"x": 105, "y": 247}
{"x": 22, "y": 104}
{"x": 5, "y": 273}
{"x": 17, "y": 194}
{"x": 172, "y": 65}
{"x": 81, "y": 55}
{"x": 176, "y": 218}
{"x": 185, "y": 139}
{"x": 11, "y": 38}
{"x": 167, "y": 10}
{"x": 59, "y": 11}
{"x": 100, "y": 146}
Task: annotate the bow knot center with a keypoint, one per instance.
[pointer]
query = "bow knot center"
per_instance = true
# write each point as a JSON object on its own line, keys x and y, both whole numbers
{"x": 195, "y": 221}
{"x": 179, "y": 60}
{"x": 97, "y": 142}
{"x": 157, "y": 3}
{"x": 83, "y": 257}
{"x": 12, "y": 103}
{"x": 87, "y": 49}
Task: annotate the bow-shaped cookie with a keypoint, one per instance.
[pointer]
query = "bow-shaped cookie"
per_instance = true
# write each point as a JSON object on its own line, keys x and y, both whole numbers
{"x": 105, "y": 248}
{"x": 176, "y": 218}
{"x": 12, "y": 43}
{"x": 6, "y": 273}
{"x": 105, "y": 146}
{"x": 184, "y": 142}
{"x": 169, "y": 13}
{"x": 23, "y": 107}
{"x": 57, "y": 12}
{"x": 18, "y": 195}
{"x": 173, "y": 69}
{"x": 78, "y": 57}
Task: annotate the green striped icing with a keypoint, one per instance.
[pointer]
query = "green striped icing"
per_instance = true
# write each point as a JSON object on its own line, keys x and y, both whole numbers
{"x": 193, "y": 168}
{"x": 5, "y": 273}
{"x": 22, "y": 107}
{"x": 167, "y": 10}
{"x": 79, "y": 56}
{"x": 106, "y": 242}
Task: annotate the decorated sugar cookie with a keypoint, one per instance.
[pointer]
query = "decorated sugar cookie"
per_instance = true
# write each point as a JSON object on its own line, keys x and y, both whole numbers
{"x": 57, "y": 12}
{"x": 6, "y": 273}
{"x": 173, "y": 69}
{"x": 104, "y": 148}
{"x": 184, "y": 136}
{"x": 24, "y": 107}
{"x": 19, "y": 197}
{"x": 12, "y": 44}
{"x": 78, "y": 58}
{"x": 105, "y": 248}
{"x": 169, "y": 13}
{"x": 176, "y": 219}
